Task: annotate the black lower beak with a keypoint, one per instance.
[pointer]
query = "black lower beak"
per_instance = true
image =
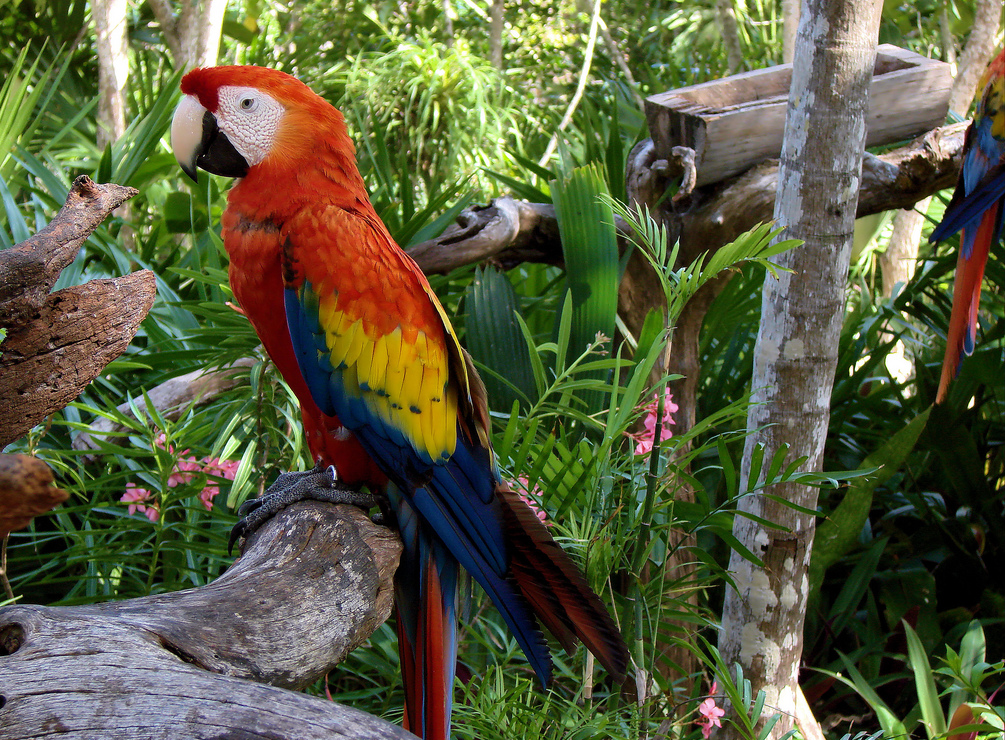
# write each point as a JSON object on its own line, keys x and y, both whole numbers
{"x": 216, "y": 154}
{"x": 192, "y": 172}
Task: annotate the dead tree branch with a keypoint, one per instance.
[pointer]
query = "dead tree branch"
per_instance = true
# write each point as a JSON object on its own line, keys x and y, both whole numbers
{"x": 509, "y": 231}
{"x": 58, "y": 343}
{"x": 313, "y": 583}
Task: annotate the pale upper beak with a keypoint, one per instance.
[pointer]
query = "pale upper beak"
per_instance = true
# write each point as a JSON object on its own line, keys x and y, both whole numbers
{"x": 187, "y": 134}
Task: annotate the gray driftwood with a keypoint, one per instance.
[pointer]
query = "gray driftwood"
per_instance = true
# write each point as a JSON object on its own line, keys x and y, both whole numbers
{"x": 312, "y": 584}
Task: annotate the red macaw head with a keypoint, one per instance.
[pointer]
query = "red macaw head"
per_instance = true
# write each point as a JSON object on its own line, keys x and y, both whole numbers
{"x": 233, "y": 119}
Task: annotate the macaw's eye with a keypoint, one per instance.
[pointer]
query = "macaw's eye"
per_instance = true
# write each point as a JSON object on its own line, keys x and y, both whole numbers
{"x": 248, "y": 103}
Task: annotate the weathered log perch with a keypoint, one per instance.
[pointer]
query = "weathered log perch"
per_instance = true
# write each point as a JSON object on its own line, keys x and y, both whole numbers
{"x": 313, "y": 583}
{"x": 29, "y": 270}
{"x": 58, "y": 343}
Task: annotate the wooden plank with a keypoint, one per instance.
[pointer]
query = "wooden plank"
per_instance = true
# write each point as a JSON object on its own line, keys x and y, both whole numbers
{"x": 738, "y": 121}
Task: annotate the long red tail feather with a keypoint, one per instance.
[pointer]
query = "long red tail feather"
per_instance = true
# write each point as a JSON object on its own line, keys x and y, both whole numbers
{"x": 962, "y": 333}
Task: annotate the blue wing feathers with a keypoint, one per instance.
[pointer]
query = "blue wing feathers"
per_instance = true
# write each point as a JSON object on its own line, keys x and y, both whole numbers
{"x": 503, "y": 592}
{"x": 300, "y": 322}
{"x": 454, "y": 496}
{"x": 982, "y": 184}
{"x": 967, "y": 213}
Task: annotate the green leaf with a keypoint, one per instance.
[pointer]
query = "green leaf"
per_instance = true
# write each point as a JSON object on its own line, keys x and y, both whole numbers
{"x": 495, "y": 339}
{"x": 590, "y": 247}
{"x": 239, "y": 32}
{"x": 838, "y": 534}
{"x": 854, "y": 588}
{"x": 19, "y": 96}
{"x": 241, "y": 488}
{"x": 181, "y": 216}
{"x": 973, "y": 650}
{"x": 15, "y": 221}
{"x": 924, "y": 681}
{"x": 892, "y": 727}
{"x": 142, "y": 137}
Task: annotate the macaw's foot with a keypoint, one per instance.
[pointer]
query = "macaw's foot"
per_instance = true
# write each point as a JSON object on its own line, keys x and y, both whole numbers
{"x": 319, "y": 484}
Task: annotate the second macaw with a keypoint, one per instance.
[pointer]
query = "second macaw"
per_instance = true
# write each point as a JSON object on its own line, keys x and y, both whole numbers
{"x": 388, "y": 396}
{"x": 977, "y": 210}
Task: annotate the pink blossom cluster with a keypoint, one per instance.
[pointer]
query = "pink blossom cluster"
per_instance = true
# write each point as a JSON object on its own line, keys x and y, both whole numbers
{"x": 139, "y": 501}
{"x": 710, "y": 713}
{"x": 530, "y": 496}
{"x": 647, "y": 438}
{"x": 185, "y": 470}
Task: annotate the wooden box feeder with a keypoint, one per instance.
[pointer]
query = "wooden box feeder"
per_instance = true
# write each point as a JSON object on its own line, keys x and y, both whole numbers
{"x": 736, "y": 122}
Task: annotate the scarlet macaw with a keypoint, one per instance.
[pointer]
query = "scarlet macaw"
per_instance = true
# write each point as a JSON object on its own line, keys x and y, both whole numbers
{"x": 388, "y": 395}
{"x": 977, "y": 209}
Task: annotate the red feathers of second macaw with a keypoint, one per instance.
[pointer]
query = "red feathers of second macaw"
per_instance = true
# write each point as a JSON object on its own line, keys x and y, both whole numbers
{"x": 976, "y": 210}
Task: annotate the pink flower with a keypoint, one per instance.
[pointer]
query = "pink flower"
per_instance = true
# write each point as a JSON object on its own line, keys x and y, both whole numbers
{"x": 207, "y": 494}
{"x": 223, "y": 468}
{"x": 710, "y": 713}
{"x": 135, "y": 496}
{"x": 647, "y": 438}
{"x": 186, "y": 469}
{"x": 531, "y": 496}
{"x": 226, "y": 469}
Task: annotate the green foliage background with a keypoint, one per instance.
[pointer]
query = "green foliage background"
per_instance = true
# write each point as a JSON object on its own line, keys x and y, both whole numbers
{"x": 438, "y": 128}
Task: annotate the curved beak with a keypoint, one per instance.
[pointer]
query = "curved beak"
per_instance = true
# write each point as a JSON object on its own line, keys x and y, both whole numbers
{"x": 197, "y": 142}
{"x": 187, "y": 134}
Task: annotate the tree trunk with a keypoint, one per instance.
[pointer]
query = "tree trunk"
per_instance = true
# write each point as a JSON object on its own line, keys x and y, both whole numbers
{"x": 796, "y": 351}
{"x": 193, "y": 33}
{"x": 896, "y": 264}
{"x": 976, "y": 54}
{"x": 790, "y": 21}
{"x": 730, "y": 32}
{"x": 496, "y": 27}
{"x": 113, "y": 68}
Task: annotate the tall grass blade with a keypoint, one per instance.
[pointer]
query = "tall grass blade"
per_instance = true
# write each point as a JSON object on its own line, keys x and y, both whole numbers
{"x": 928, "y": 695}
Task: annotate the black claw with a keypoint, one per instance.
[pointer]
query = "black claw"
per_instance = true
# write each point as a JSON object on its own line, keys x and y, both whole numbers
{"x": 319, "y": 484}
{"x": 235, "y": 534}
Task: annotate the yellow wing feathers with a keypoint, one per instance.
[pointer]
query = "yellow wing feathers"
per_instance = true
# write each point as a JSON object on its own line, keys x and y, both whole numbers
{"x": 385, "y": 331}
{"x": 404, "y": 384}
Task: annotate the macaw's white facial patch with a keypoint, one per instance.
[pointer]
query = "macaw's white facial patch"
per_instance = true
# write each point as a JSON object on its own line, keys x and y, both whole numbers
{"x": 250, "y": 119}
